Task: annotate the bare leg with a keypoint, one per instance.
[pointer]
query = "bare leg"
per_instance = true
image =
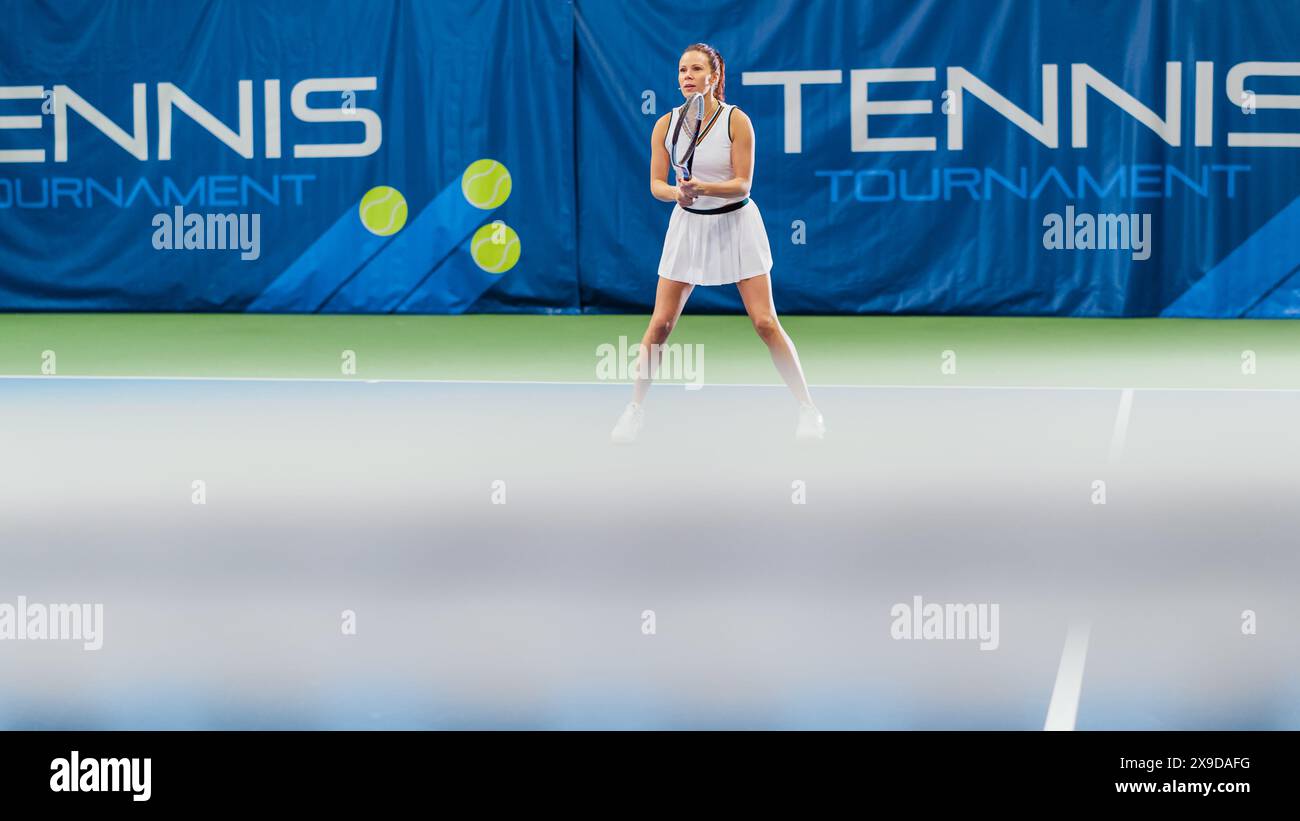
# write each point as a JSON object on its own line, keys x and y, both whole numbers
{"x": 756, "y": 293}
{"x": 670, "y": 299}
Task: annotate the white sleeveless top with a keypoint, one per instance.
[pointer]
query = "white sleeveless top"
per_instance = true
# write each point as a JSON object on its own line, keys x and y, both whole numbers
{"x": 712, "y": 154}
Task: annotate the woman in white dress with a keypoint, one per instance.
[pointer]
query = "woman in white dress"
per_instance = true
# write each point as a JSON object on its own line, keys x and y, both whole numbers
{"x": 715, "y": 237}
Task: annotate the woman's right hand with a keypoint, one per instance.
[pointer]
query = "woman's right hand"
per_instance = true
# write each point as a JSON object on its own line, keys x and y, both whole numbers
{"x": 683, "y": 199}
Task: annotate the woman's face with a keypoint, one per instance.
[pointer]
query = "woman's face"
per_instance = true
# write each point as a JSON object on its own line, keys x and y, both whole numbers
{"x": 693, "y": 74}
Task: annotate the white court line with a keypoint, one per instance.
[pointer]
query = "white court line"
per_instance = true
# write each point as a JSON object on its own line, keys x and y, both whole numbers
{"x": 1064, "y": 706}
{"x": 1120, "y": 433}
{"x": 623, "y": 384}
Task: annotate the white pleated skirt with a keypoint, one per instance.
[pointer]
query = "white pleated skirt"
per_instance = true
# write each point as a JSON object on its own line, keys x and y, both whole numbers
{"x": 716, "y": 249}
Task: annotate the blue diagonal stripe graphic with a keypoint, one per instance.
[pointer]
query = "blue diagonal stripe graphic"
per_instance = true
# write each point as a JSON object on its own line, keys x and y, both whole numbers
{"x": 322, "y": 267}
{"x": 1251, "y": 274}
{"x": 455, "y": 287}
{"x": 422, "y": 246}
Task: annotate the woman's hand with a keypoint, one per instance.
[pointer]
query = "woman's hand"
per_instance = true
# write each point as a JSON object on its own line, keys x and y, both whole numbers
{"x": 692, "y": 188}
{"x": 684, "y": 199}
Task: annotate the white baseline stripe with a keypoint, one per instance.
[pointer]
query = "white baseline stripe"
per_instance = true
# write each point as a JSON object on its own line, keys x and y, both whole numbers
{"x": 1064, "y": 706}
{"x": 1120, "y": 432}
{"x": 623, "y": 384}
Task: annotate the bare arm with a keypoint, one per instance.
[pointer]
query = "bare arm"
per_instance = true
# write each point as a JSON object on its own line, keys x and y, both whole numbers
{"x": 659, "y": 187}
{"x": 742, "y": 163}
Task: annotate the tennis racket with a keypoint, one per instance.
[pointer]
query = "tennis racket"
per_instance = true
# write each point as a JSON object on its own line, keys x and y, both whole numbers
{"x": 686, "y": 135}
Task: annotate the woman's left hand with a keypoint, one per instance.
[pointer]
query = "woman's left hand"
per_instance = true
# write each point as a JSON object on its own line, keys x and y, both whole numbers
{"x": 691, "y": 188}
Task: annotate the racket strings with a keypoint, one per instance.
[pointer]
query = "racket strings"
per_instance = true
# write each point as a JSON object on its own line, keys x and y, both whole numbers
{"x": 690, "y": 123}
{"x": 684, "y": 147}
{"x": 692, "y": 118}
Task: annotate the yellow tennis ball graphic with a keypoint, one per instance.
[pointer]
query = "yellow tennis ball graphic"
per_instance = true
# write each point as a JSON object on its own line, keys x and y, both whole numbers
{"x": 383, "y": 210}
{"x": 485, "y": 184}
{"x": 495, "y": 247}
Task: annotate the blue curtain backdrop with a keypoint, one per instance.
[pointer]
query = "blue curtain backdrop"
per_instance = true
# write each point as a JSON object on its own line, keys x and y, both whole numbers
{"x": 562, "y": 97}
{"x": 453, "y": 83}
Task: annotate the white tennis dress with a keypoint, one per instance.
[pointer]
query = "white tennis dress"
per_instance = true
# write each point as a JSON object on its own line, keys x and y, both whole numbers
{"x": 714, "y": 249}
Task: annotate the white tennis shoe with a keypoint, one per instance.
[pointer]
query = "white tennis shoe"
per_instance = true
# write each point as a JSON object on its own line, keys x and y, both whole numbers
{"x": 811, "y": 424}
{"x": 628, "y": 425}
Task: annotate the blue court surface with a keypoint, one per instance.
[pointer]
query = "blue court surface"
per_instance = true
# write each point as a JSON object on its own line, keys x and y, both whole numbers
{"x": 499, "y": 556}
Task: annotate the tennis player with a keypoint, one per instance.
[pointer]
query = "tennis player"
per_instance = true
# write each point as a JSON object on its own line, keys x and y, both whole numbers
{"x": 715, "y": 235}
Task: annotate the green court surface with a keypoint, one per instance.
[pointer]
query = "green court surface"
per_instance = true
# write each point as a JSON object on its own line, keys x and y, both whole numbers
{"x": 1028, "y": 352}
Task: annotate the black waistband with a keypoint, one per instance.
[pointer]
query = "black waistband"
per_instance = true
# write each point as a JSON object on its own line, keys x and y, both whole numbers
{"x": 723, "y": 210}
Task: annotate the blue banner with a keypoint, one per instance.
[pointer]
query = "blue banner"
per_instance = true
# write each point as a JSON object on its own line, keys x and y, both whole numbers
{"x": 914, "y": 157}
{"x": 307, "y": 157}
{"x": 1127, "y": 158}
